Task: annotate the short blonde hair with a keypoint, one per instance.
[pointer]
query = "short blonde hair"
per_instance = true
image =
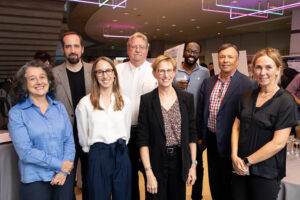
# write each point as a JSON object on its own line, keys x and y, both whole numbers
{"x": 138, "y": 35}
{"x": 161, "y": 58}
{"x": 271, "y": 53}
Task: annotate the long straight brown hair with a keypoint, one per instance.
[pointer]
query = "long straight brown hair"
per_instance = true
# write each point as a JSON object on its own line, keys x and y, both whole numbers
{"x": 95, "y": 91}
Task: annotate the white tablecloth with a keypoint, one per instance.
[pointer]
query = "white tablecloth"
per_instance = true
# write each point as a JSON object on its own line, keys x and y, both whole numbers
{"x": 290, "y": 185}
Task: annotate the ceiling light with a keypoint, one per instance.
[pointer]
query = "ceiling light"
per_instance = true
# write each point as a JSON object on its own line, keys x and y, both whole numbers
{"x": 158, "y": 29}
{"x": 146, "y": 23}
{"x": 121, "y": 4}
{"x": 219, "y": 22}
{"x": 164, "y": 17}
{"x": 219, "y": 33}
{"x": 192, "y": 20}
{"x": 235, "y": 1}
{"x": 181, "y": 31}
{"x": 134, "y": 8}
{"x": 174, "y": 25}
{"x": 166, "y": 34}
{"x": 197, "y": 27}
{"x": 126, "y": 13}
{"x": 114, "y": 20}
{"x": 116, "y": 36}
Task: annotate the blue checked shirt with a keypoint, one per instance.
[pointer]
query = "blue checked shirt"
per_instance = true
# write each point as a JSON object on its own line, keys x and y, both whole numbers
{"x": 42, "y": 141}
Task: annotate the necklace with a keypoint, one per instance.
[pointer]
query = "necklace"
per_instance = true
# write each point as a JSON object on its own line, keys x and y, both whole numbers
{"x": 270, "y": 93}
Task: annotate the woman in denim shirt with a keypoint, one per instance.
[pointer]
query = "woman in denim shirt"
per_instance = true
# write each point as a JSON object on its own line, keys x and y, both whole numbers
{"x": 42, "y": 136}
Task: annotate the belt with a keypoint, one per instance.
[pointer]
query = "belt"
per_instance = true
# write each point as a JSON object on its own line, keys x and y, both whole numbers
{"x": 173, "y": 149}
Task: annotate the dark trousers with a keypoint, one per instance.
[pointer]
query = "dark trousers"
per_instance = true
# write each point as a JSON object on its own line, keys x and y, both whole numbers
{"x": 170, "y": 184}
{"x": 109, "y": 171}
{"x": 84, "y": 166}
{"x": 136, "y": 164}
{"x": 219, "y": 170}
{"x": 40, "y": 190}
{"x": 197, "y": 187}
{"x": 254, "y": 188}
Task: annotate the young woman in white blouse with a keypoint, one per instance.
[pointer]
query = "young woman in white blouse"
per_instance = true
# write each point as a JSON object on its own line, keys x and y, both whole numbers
{"x": 103, "y": 121}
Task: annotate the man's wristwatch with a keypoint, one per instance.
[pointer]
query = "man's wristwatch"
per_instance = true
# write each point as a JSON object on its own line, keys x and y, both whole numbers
{"x": 246, "y": 161}
{"x": 195, "y": 162}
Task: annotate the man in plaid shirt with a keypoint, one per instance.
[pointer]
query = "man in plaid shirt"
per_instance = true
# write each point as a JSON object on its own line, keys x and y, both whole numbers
{"x": 217, "y": 109}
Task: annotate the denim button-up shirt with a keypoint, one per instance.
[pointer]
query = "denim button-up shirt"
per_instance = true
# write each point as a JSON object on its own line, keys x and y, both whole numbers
{"x": 42, "y": 141}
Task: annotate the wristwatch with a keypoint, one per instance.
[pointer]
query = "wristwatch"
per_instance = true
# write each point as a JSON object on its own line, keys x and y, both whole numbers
{"x": 195, "y": 162}
{"x": 246, "y": 161}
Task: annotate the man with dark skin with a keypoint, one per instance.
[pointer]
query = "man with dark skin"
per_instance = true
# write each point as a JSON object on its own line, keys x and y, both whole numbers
{"x": 195, "y": 75}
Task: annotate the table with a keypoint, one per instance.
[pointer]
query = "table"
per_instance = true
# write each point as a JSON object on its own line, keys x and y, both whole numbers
{"x": 9, "y": 173}
{"x": 290, "y": 185}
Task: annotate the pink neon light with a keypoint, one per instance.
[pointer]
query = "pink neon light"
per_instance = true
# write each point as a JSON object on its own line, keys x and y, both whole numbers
{"x": 97, "y": 3}
{"x": 279, "y": 8}
{"x": 118, "y": 26}
{"x": 227, "y": 12}
{"x": 249, "y": 14}
{"x": 116, "y": 36}
{"x": 118, "y": 5}
{"x": 268, "y": 10}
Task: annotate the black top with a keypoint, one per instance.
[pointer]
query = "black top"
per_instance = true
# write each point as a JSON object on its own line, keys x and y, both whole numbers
{"x": 257, "y": 127}
{"x": 151, "y": 131}
{"x": 77, "y": 86}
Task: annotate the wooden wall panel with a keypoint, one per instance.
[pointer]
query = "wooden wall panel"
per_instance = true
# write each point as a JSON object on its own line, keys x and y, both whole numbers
{"x": 30, "y": 21}
{"x": 34, "y": 4}
{"x": 25, "y": 27}
{"x": 25, "y": 47}
{"x": 24, "y": 53}
{"x": 29, "y": 28}
{"x": 9, "y": 34}
{"x": 28, "y": 13}
{"x": 14, "y": 41}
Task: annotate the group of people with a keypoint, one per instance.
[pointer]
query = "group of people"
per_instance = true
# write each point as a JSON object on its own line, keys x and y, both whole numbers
{"x": 139, "y": 116}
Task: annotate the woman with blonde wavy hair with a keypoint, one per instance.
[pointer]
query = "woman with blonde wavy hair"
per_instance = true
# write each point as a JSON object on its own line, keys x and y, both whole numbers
{"x": 103, "y": 120}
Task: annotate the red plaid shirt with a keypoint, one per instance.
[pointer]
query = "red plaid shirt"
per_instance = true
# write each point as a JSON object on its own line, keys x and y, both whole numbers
{"x": 216, "y": 99}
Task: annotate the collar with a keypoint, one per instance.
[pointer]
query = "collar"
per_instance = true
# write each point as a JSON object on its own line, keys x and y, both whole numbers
{"x": 230, "y": 77}
{"x": 112, "y": 102}
{"x": 180, "y": 68}
{"x": 133, "y": 68}
{"x": 82, "y": 66}
{"x": 27, "y": 103}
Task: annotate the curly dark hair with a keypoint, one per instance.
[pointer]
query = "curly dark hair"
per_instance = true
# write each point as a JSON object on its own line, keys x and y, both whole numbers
{"x": 19, "y": 85}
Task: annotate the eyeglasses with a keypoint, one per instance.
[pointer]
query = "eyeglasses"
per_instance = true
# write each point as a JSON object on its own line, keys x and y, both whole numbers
{"x": 100, "y": 73}
{"x": 141, "y": 47}
{"x": 163, "y": 71}
{"x": 192, "y": 52}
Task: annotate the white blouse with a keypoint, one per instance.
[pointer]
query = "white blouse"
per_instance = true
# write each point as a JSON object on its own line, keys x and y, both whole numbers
{"x": 105, "y": 126}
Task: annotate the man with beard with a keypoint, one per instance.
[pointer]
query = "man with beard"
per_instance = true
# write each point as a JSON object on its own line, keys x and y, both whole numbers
{"x": 195, "y": 74}
{"x": 73, "y": 81}
{"x": 136, "y": 79}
